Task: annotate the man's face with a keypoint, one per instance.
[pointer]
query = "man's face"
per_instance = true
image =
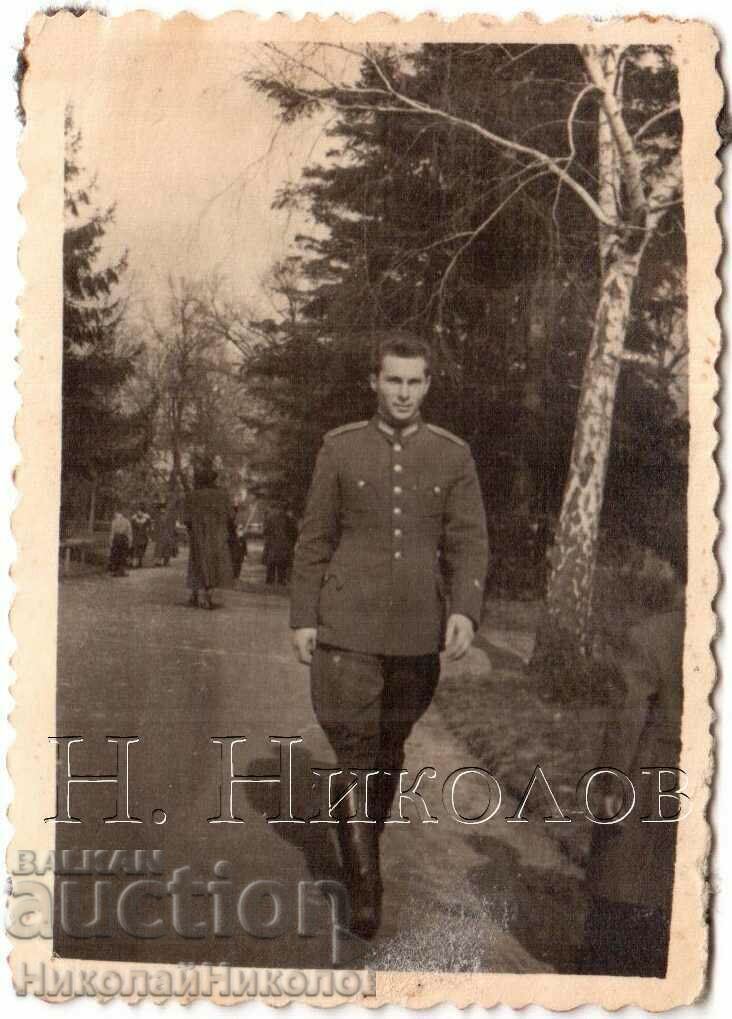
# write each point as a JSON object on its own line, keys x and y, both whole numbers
{"x": 400, "y": 388}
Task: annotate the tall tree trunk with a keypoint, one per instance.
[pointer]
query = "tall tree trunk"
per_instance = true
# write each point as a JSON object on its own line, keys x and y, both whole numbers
{"x": 608, "y": 165}
{"x": 177, "y": 480}
{"x": 177, "y": 475}
{"x": 540, "y": 325}
{"x": 566, "y": 635}
{"x": 574, "y": 554}
{"x": 92, "y": 504}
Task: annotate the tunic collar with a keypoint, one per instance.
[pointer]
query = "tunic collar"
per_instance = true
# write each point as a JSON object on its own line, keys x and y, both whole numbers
{"x": 396, "y": 434}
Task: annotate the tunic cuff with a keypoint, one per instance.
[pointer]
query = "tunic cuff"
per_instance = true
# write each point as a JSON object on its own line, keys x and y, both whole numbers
{"x": 470, "y": 605}
{"x": 300, "y": 622}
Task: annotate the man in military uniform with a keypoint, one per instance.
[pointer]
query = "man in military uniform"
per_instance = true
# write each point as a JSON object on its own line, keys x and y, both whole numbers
{"x": 394, "y": 530}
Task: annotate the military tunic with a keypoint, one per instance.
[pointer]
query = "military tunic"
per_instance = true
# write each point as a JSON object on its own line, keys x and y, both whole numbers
{"x": 393, "y": 538}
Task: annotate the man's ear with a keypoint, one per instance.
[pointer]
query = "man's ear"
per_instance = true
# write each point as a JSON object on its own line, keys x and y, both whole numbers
{"x": 373, "y": 381}
{"x": 427, "y": 387}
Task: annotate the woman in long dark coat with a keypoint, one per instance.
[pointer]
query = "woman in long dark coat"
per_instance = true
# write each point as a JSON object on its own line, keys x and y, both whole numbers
{"x": 206, "y": 517}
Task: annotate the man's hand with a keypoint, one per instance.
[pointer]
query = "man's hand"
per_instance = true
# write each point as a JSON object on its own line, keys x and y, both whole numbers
{"x": 303, "y": 641}
{"x": 458, "y": 636}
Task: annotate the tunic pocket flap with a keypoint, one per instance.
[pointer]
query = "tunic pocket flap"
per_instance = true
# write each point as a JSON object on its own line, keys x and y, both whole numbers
{"x": 333, "y": 574}
{"x": 432, "y": 496}
{"x": 359, "y": 490}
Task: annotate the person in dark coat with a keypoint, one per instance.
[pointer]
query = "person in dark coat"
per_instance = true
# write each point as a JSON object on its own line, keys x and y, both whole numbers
{"x": 164, "y": 535}
{"x": 389, "y": 568}
{"x": 279, "y": 540}
{"x": 237, "y": 541}
{"x": 141, "y": 526}
{"x": 120, "y": 541}
{"x": 293, "y": 530}
{"x": 207, "y": 517}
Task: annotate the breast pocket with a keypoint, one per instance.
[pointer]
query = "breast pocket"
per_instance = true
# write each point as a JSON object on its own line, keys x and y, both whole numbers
{"x": 432, "y": 496}
{"x": 358, "y": 493}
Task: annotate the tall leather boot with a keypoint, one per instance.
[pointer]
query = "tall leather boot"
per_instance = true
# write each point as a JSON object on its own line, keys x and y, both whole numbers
{"x": 388, "y": 785}
{"x": 359, "y": 844}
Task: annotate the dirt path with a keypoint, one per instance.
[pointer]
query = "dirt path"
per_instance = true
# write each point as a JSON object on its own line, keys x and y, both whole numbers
{"x": 133, "y": 660}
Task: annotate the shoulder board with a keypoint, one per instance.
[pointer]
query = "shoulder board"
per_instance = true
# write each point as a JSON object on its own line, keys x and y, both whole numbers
{"x": 446, "y": 435}
{"x": 352, "y": 427}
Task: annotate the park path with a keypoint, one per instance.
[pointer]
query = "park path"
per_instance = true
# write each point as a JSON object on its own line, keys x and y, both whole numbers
{"x": 134, "y": 660}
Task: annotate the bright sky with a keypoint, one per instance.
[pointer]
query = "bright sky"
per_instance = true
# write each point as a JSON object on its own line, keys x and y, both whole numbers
{"x": 193, "y": 157}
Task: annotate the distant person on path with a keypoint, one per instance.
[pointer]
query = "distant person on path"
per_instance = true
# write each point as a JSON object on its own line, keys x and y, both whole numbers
{"x": 164, "y": 535}
{"x": 120, "y": 542}
{"x": 237, "y": 542}
{"x": 241, "y": 519}
{"x": 394, "y": 531}
{"x": 207, "y": 520}
{"x": 141, "y": 525}
{"x": 279, "y": 541}
{"x": 293, "y": 529}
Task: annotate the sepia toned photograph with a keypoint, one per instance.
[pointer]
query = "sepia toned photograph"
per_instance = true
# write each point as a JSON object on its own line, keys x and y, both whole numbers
{"x": 368, "y": 499}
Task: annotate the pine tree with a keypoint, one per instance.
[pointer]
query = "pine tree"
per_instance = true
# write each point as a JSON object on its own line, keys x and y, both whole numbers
{"x": 501, "y": 201}
{"x": 99, "y": 434}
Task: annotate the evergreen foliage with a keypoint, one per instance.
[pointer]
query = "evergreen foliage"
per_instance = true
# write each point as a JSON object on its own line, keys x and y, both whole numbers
{"x": 99, "y": 433}
{"x": 420, "y": 224}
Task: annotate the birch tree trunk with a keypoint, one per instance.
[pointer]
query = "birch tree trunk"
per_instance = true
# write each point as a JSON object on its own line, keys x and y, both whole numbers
{"x": 608, "y": 165}
{"x": 574, "y": 554}
{"x": 566, "y": 635}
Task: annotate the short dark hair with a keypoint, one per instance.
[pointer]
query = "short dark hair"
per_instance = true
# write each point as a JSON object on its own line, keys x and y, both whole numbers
{"x": 399, "y": 343}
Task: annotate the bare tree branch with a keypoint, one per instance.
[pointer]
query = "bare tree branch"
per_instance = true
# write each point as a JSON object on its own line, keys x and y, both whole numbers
{"x": 550, "y": 162}
{"x": 479, "y": 229}
{"x": 654, "y": 119}
{"x": 399, "y": 102}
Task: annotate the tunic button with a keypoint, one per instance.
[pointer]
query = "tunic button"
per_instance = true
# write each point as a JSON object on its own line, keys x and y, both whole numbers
{"x": 398, "y": 468}
{"x": 361, "y": 482}
{"x": 397, "y": 511}
{"x": 397, "y": 532}
{"x": 397, "y": 555}
{"x": 397, "y": 490}
{"x": 397, "y": 448}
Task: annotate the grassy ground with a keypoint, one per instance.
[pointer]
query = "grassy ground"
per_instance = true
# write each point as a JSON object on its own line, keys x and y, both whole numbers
{"x": 508, "y": 729}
